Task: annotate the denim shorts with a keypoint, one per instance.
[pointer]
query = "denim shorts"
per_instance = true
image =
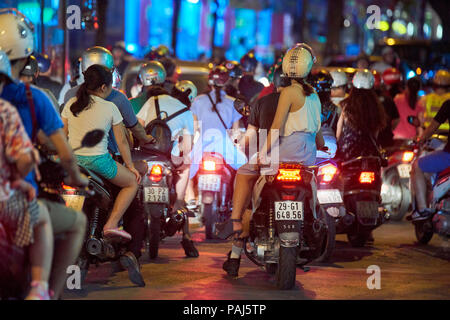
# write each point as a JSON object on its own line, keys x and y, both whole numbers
{"x": 435, "y": 162}
{"x": 104, "y": 165}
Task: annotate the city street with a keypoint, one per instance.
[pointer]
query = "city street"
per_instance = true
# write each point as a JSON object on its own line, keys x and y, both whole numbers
{"x": 408, "y": 271}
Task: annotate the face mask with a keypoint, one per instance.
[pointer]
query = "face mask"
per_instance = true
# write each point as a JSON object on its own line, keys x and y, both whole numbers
{"x": 337, "y": 100}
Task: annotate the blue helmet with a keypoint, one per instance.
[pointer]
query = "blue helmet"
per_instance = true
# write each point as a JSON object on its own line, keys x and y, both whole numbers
{"x": 44, "y": 62}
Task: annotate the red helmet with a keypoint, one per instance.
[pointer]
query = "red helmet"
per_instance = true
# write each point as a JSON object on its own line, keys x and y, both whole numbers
{"x": 219, "y": 76}
{"x": 377, "y": 77}
{"x": 392, "y": 76}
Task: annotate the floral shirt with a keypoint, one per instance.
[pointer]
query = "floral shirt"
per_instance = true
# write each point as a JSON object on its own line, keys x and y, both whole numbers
{"x": 14, "y": 141}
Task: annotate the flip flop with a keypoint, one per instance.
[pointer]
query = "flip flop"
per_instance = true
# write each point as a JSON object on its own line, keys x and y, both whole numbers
{"x": 224, "y": 230}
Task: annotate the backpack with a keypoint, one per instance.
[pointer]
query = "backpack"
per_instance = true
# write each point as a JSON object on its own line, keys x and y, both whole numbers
{"x": 159, "y": 130}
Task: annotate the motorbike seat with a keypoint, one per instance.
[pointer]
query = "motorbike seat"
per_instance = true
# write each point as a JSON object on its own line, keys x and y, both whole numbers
{"x": 444, "y": 173}
{"x": 93, "y": 176}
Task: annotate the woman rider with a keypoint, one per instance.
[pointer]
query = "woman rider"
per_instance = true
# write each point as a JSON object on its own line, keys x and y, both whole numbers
{"x": 297, "y": 120}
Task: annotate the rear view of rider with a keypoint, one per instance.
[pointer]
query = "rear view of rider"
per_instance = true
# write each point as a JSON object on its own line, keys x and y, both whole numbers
{"x": 235, "y": 72}
{"x": 434, "y": 100}
{"x": 153, "y": 77}
{"x": 392, "y": 82}
{"x": 297, "y": 120}
{"x": 248, "y": 87}
{"x": 339, "y": 87}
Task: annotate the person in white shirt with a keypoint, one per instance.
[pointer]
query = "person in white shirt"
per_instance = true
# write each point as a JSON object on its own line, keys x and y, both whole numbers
{"x": 89, "y": 111}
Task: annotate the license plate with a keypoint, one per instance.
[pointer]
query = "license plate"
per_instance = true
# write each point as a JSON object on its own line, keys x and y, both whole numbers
{"x": 156, "y": 195}
{"x": 404, "y": 170}
{"x": 210, "y": 182}
{"x": 289, "y": 211}
{"x": 367, "y": 209}
{"x": 74, "y": 202}
{"x": 329, "y": 196}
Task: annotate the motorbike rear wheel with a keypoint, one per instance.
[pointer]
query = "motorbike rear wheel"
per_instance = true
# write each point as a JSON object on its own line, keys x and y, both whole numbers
{"x": 287, "y": 268}
{"x": 329, "y": 241}
{"x": 358, "y": 238}
{"x": 423, "y": 233}
{"x": 154, "y": 231}
{"x": 209, "y": 220}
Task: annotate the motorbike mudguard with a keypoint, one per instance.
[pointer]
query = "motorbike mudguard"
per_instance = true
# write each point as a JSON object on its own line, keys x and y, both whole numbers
{"x": 154, "y": 209}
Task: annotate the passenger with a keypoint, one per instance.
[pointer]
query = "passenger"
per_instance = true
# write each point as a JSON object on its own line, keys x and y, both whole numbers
{"x": 339, "y": 87}
{"x": 90, "y": 111}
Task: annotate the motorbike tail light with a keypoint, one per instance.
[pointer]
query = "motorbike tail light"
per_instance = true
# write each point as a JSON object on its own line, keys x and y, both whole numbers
{"x": 289, "y": 175}
{"x": 287, "y": 197}
{"x": 156, "y": 173}
{"x": 408, "y": 156}
{"x": 209, "y": 165}
{"x": 327, "y": 172}
{"x": 367, "y": 177}
{"x": 68, "y": 189}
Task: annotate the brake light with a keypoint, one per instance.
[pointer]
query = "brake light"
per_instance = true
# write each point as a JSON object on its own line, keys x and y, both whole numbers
{"x": 209, "y": 165}
{"x": 367, "y": 177}
{"x": 408, "y": 156}
{"x": 156, "y": 173}
{"x": 328, "y": 172}
{"x": 289, "y": 175}
{"x": 68, "y": 189}
{"x": 287, "y": 197}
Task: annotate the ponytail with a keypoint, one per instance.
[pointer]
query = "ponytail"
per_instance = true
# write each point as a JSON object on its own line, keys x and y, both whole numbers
{"x": 83, "y": 100}
{"x": 307, "y": 89}
{"x": 413, "y": 85}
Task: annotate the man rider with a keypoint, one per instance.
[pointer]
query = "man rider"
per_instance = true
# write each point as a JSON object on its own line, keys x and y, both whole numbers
{"x": 235, "y": 72}
{"x": 43, "y": 79}
{"x": 434, "y": 100}
{"x": 435, "y": 162}
{"x": 248, "y": 87}
{"x": 153, "y": 76}
{"x": 41, "y": 120}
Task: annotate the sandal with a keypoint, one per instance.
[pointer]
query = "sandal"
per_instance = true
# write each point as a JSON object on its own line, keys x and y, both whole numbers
{"x": 224, "y": 230}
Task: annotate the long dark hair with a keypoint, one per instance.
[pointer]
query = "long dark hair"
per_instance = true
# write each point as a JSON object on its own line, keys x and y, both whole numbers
{"x": 307, "y": 89}
{"x": 413, "y": 86}
{"x": 364, "y": 111}
{"x": 94, "y": 77}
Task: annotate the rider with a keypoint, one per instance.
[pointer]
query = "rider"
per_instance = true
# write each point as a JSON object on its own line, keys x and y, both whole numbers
{"x": 392, "y": 82}
{"x": 297, "y": 118}
{"x": 153, "y": 76}
{"x": 434, "y": 100}
{"x": 70, "y": 225}
{"x": 435, "y": 162}
{"x": 171, "y": 73}
{"x": 339, "y": 87}
{"x": 43, "y": 79}
{"x": 248, "y": 87}
{"x": 388, "y": 61}
{"x": 185, "y": 91}
{"x": 235, "y": 72}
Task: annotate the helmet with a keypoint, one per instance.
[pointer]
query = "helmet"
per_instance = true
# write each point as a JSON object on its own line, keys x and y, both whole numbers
{"x": 97, "y": 55}
{"x": 442, "y": 78}
{"x": 44, "y": 62}
{"x": 186, "y": 85}
{"x": 31, "y": 68}
{"x": 5, "y": 65}
{"x": 162, "y": 50}
{"x": 363, "y": 79}
{"x": 249, "y": 62}
{"x": 278, "y": 79}
{"x": 377, "y": 77}
{"x": 169, "y": 65}
{"x": 321, "y": 80}
{"x": 219, "y": 76}
{"x": 298, "y": 61}
{"x": 392, "y": 76}
{"x": 234, "y": 69}
{"x": 340, "y": 78}
{"x": 16, "y": 34}
{"x": 152, "y": 73}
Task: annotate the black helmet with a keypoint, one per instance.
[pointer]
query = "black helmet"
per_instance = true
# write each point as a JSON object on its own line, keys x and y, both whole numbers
{"x": 44, "y": 62}
{"x": 31, "y": 68}
{"x": 278, "y": 78}
{"x": 169, "y": 65}
{"x": 234, "y": 69}
{"x": 249, "y": 62}
{"x": 321, "y": 80}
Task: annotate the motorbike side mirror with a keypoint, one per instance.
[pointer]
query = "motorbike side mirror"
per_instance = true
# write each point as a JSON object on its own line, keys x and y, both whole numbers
{"x": 92, "y": 138}
{"x": 241, "y": 107}
{"x": 414, "y": 121}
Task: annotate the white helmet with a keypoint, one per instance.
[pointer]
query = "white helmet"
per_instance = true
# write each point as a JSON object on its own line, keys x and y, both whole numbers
{"x": 152, "y": 73}
{"x": 363, "y": 79}
{"x": 298, "y": 61}
{"x": 5, "y": 65}
{"x": 339, "y": 78}
{"x": 16, "y": 34}
{"x": 97, "y": 55}
{"x": 185, "y": 85}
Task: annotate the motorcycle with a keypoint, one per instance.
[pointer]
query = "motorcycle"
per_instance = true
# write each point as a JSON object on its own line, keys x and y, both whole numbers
{"x": 288, "y": 227}
{"x": 395, "y": 192}
{"x": 215, "y": 186}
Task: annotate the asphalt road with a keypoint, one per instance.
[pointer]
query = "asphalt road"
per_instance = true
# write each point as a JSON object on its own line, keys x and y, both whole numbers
{"x": 408, "y": 271}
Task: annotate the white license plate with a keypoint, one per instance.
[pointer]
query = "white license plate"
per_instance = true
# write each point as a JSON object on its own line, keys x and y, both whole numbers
{"x": 74, "y": 202}
{"x": 404, "y": 170}
{"x": 209, "y": 182}
{"x": 156, "y": 195}
{"x": 329, "y": 196}
{"x": 289, "y": 211}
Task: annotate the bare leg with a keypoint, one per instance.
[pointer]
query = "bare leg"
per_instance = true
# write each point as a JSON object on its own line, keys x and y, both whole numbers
{"x": 127, "y": 181}
{"x": 66, "y": 253}
{"x": 419, "y": 185}
{"x": 190, "y": 192}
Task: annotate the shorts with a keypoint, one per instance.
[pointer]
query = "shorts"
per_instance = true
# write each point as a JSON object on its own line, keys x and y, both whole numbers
{"x": 62, "y": 217}
{"x": 435, "y": 162}
{"x": 103, "y": 165}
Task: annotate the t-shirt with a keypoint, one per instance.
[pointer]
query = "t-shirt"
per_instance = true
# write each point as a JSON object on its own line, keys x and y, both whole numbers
{"x": 263, "y": 111}
{"x": 48, "y": 119}
{"x": 14, "y": 142}
{"x": 182, "y": 124}
{"x": 405, "y": 130}
{"x": 138, "y": 102}
{"x": 125, "y": 109}
{"x": 101, "y": 114}
{"x": 250, "y": 88}
{"x": 442, "y": 116}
